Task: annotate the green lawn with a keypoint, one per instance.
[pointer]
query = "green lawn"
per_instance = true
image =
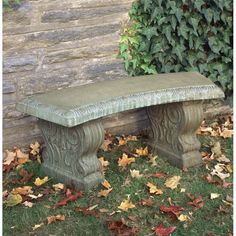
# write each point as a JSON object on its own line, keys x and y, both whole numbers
{"x": 208, "y": 220}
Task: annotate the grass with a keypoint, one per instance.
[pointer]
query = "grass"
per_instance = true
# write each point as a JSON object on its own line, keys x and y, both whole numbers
{"x": 207, "y": 221}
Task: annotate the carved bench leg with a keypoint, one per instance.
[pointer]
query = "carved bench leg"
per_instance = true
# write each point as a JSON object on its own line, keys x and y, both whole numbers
{"x": 174, "y": 126}
{"x": 70, "y": 154}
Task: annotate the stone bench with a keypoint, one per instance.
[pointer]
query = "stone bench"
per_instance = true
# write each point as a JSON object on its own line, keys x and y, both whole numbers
{"x": 72, "y": 129}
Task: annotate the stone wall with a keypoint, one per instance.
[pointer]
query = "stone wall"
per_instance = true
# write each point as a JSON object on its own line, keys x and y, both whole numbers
{"x": 50, "y": 44}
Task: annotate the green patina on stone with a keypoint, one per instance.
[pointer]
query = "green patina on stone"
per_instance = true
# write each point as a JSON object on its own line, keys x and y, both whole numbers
{"x": 72, "y": 132}
{"x": 73, "y": 106}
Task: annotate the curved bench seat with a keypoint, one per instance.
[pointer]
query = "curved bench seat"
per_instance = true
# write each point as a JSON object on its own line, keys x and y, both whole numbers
{"x": 72, "y": 131}
{"x": 73, "y": 106}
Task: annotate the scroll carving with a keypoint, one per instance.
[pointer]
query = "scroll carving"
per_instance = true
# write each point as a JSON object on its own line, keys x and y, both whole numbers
{"x": 173, "y": 131}
{"x": 71, "y": 153}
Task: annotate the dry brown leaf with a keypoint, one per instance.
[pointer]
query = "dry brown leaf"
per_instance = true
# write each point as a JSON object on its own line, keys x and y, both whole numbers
{"x": 229, "y": 168}
{"x": 226, "y": 133}
{"x": 216, "y": 149}
{"x": 172, "y": 182}
{"x": 106, "y": 184}
{"x": 104, "y": 163}
{"x": 21, "y": 157}
{"x": 125, "y": 160}
{"x": 104, "y": 193}
{"x": 52, "y": 219}
{"x": 25, "y": 190}
{"x": 8, "y": 157}
{"x": 131, "y": 138}
{"x": 142, "y": 151}
{"x": 126, "y": 205}
{"x": 105, "y": 145}
{"x": 153, "y": 189}
{"x": 135, "y": 174}
{"x": 223, "y": 158}
{"x": 103, "y": 210}
{"x": 152, "y": 160}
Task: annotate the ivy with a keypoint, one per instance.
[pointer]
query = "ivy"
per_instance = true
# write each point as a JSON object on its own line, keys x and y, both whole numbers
{"x": 181, "y": 35}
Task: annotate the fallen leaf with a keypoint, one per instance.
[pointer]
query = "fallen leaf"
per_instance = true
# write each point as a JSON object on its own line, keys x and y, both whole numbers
{"x": 126, "y": 205}
{"x": 216, "y": 149}
{"x": 229, "y": 198}
{"x": 125, "y": 160}
{"x": 88, "y": 210}
{"x": 120, "y": 228}
{"x": 153, "y": 189}
{"x": 173, "y": 211}
{"x": 135, "y": 174}
{"x": 122, "y": 141}
{"x": 214, "y": 195}
{"x": 146, "y": 202}
{"x": 25, "y": 190}
{"x": 142, "y": 151}
{"x": 8, "y": 157}
{"x": 104, "y": 163}
{"x": 13, "y": 199}
{"x": 226, "y": 133}
{"x": 37, "y": 226}
{"x": 35, "y": 148}
{"x": 126, "y": 182}
{"x": 105, "y": 145}
{"x": 226, "y": 184}
{"x": 106, "y": 184}
{"x": 69, "y": 198}
{"x": 152, "y": 160}
{"x": 229, "y": 168}
{"x": 131, "y": 138}
{"x": 58, "y": 187}
{"x": 159, "y": 175}
{"x": 196, "y": 202}
{"x": 104, "y": 193}
{"x": 21, "y": 157}
{"x": 160, "y": 230}
{"x": 172, "y": 182}
{"x": 103, "y": 210}
{"x": 183, "y": 218}
{"x": 39, "y": 182}
{"x": 222, "y": 210}
{"x": 182, "y": 190}
{"x": 28, "y": 204}
{"x": 52, "y": 219}
{"x": 223, "y": 158}
{"x": 26, "y": 176}
{"x": 34, "y": 196}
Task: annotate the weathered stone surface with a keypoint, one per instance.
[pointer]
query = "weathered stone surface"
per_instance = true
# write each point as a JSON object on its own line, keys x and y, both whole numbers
{"x": 71, "y": 154}
{"x": 20, "y": 62}
{"x": 174, "y": 132}
{"x": 8, "y": 86}
{"x": 66, "y": 15}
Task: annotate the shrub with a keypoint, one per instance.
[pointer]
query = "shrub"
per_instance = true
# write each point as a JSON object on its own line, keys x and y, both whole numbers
{"x": 11, "y": 4}
{"x": 181, "y": 35}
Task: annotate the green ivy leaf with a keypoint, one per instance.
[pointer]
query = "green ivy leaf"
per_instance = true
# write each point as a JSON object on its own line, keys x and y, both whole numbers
{"x": 167, "y": 32}
{"x": 198, "y": 4}
{"x": 183, "y": 30}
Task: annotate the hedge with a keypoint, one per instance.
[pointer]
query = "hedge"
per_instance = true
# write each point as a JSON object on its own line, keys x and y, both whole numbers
{"x": 181, "y": 35}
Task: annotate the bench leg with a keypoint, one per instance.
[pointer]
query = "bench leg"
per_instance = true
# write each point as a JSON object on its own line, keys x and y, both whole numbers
{"x": 174, "y": 132}
{"x": 70, "y": 154}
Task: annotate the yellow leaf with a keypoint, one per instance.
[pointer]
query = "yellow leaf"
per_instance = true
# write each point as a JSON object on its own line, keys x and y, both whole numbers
{"x": 105, "y": 145}
{"x": 126, "y": 205}
{"x": 39, "y": 182}
{"x": 172, "y": 182}
{"x": 135, "y": 174}
{"x": 25, "y": 190}
{"x": 13, "y": 199}
{"x": 58, "y": 187}
{"x": 104, "y": 193}
{"x": 21, "y": 155}
{"x": 125, "y": 160}
{"x": 9, "y": 157}
{"x": 229, "y": 168}
{"x": 131, "y": 138}
{"x": 214, "y": 195}
{"x": 153, "y": 189}
{"x": 35, "y": 148}
{"x": 54, "y": 218}
{"x": 183, "y": 218}
{"x": 37, "y": 226}
{"x": 106, "y": 184}
{"x": 141, "y": 151}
